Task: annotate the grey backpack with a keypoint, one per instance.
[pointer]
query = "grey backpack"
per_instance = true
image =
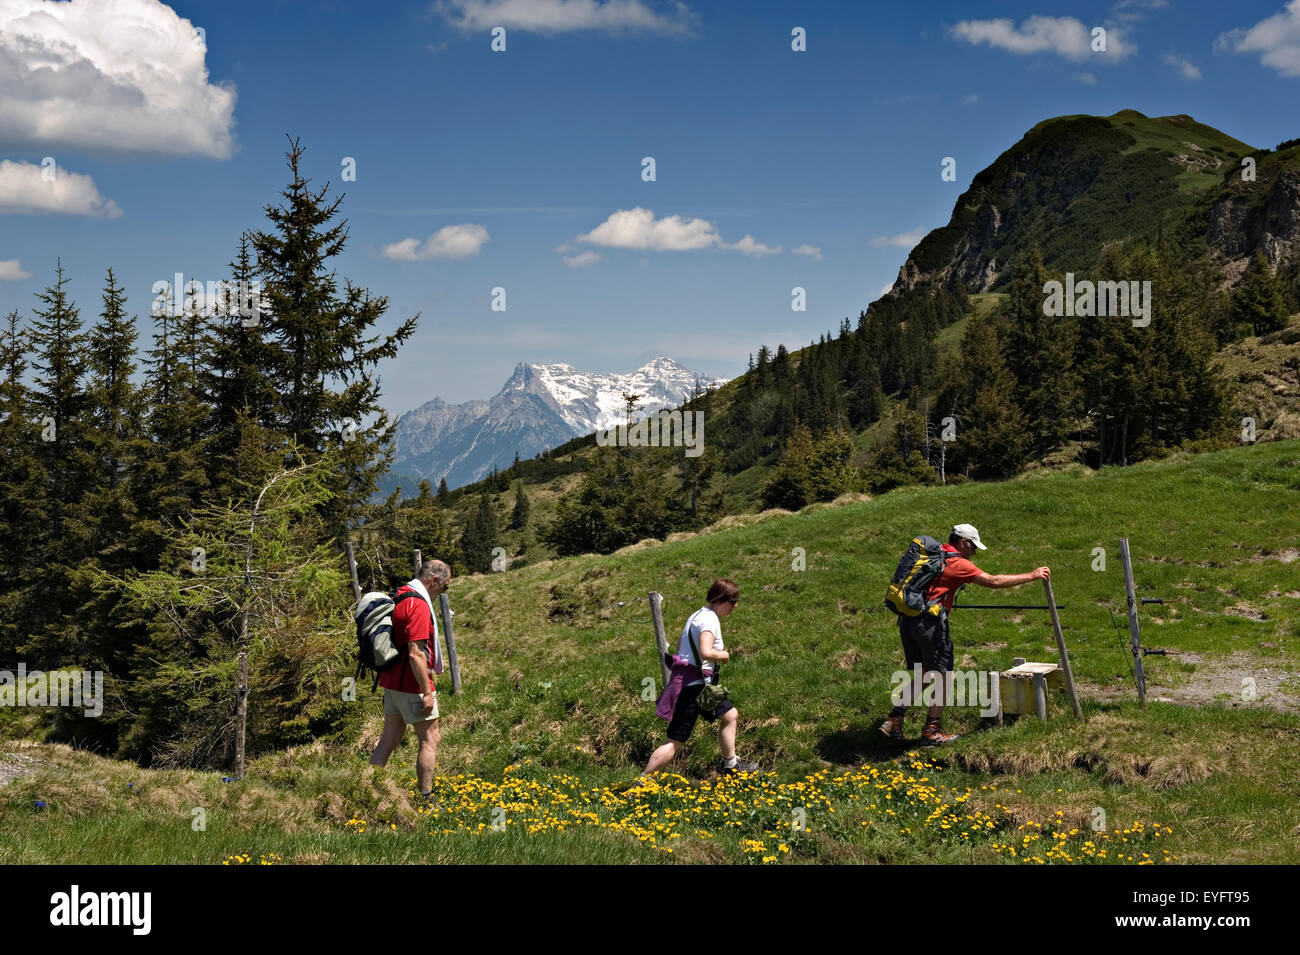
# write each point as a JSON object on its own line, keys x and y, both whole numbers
{"x": 376, "y": 649}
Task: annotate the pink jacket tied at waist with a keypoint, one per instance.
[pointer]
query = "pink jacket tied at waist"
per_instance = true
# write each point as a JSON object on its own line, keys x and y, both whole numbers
{"x": 680, "y": 673}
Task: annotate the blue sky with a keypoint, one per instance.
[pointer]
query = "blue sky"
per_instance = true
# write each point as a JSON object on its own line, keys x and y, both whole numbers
{"x": 522, "y": 169}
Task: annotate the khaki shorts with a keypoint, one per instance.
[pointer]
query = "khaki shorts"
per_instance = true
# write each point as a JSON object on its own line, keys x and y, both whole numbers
{"x": 408, "y": 706}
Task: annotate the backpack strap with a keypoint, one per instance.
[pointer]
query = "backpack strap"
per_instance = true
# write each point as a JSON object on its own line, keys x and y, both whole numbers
{"x": 699, "y": 659}
{"x": 400, "y": 597}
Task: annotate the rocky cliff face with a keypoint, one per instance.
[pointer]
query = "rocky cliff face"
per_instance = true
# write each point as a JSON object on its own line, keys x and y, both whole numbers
{"x": 1262, "y": 216}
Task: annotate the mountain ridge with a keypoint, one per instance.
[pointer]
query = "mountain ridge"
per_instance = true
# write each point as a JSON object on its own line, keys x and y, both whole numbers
{"x": 540, "y": 406}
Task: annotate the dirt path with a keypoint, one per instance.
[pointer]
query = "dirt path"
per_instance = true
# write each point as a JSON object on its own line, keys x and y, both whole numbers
{"x": 1219, "y": 680}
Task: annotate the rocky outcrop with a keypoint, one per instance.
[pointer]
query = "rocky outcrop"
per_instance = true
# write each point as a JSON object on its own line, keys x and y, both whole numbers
{"x": 1074, "y": 184}
{"x": 1261, "y": 216}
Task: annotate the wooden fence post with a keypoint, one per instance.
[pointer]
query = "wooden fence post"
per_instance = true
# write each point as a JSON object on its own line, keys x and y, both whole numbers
{"x": 444, "y": 606}
{"x": 1131, "y": 596}
{"x": 661, "y": 642}
{"x": 1060, "y": 647}
{"x": 352, "y": 569}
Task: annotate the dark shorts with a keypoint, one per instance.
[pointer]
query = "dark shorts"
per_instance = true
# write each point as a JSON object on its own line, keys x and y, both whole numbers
{"x": 685, "y": 713}
{"x": 926, "y": 641}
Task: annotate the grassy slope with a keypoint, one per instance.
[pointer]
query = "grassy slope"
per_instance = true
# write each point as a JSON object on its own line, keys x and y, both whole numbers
{"x": 1172, "y": 136}
{"x": 1181, "y": 135}
{"x": 555, "y": 655}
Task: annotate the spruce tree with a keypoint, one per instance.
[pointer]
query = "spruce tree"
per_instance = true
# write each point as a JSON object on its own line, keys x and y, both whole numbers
{"x": 519, "y": 514}
{"x": 323, "y": 366}
{"x": 789, "y": 487}
{"x": 118, "y": 443}
{"x": 23, "y": 500}
{"x": 480, "y": 536}
{"x": 1257, "y": 304}
{"x": 60, "y": 402}
{"x": 175, "y": 473}
{"x": 1040, "y": 355}
{"x": 695, "y": 474}
{"x": 235, "y": 377}
{"x": 420, "y": 525}
{"x": 992, "y": 436}
{"x": 899, "y": 461}
{"x": 1110, "y": 359}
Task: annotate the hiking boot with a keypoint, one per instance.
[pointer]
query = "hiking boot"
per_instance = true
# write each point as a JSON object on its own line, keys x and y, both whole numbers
{"x": 932, "y": 735}
{"x": 892, "y": 727}
{"x": 740, "y": 767}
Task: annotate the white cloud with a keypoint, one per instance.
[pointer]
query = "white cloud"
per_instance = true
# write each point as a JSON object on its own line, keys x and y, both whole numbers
{"x": 1185, "y": 68}
{"x": 809, "y": 250}
{"x": 449, "y": 242}
{"x": 904, "y": 240}
{"x": 119, "y": 76}
{"x": 639, "y": 229}
{"x": 970, "y": 98}
{"x": 1086, "y": 78}
{"x": 24, "y": 190}
{"x": 885, "y": 289}
{"x": 582, "y": 260}
{"x": 566, "y": 16}
{"x": 1276, "y": 39}
{"x": 1064, "y": 36}
{"x": 751, "y": 246}
{"x": 11, "y": 270}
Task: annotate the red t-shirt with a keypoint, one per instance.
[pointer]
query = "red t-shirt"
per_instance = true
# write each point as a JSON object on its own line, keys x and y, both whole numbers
{"x": 412, "y": 623}
{"x": 956, "y": 572}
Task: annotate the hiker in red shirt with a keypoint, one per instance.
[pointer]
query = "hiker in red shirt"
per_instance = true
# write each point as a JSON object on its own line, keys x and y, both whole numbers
{"x": 409, "y": 694}
{"x": 926, "y": 640}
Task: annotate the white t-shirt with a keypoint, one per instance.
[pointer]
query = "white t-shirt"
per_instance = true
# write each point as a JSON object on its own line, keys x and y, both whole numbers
{"x": 703, "y": 619}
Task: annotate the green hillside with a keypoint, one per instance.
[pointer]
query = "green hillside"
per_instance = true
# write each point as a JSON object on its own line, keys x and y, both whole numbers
{"x": 961, "y": 338}
{"x": 552, "y": 726}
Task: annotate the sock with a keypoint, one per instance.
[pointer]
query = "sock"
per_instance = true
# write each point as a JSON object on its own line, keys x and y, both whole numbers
{"x": 731, "y": 763}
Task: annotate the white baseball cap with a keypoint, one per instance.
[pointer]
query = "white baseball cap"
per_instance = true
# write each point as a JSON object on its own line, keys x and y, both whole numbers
{"x": 969, "y": 532}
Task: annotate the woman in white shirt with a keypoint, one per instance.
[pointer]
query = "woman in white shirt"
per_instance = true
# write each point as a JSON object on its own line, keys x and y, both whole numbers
{"x": 677, "y": 704}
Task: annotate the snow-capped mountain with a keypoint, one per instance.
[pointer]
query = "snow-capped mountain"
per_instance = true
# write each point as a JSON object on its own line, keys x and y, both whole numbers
{"x": 539, "y": 407}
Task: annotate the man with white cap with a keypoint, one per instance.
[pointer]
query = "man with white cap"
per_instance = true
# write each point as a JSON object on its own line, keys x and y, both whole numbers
{"x": 925, "y": 637}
